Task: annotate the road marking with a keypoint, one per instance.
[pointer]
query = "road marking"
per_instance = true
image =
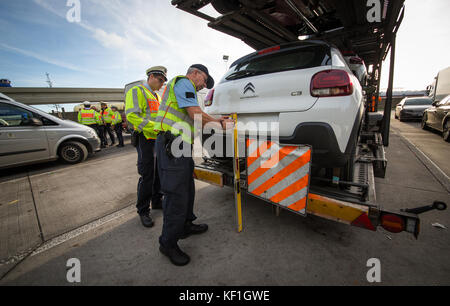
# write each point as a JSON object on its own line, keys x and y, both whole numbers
{"x": 68, "y": 236}
{"x": 65, "y": 168}
{"x": 13, "y": 202}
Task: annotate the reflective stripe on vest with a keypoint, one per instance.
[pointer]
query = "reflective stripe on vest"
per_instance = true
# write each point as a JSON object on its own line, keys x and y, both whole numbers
{"x": 150, "y": 111}
{"x": 152, "y": 102}
{"x": 88, "y": 117}
{"x": 144, "y": 111}
{"x": 171, "y": 117}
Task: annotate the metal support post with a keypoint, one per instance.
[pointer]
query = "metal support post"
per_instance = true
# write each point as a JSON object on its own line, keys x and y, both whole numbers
{"x": 388, "y": 105}
{"x": 237, "y": 176}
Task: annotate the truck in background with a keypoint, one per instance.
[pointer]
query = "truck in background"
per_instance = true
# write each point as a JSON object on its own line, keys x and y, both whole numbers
{"x": 441, "y": 86}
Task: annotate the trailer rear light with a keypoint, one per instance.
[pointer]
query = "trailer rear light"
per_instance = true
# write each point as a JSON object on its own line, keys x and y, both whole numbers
{"x": 331, "y": 83}
{"x": 356, "y": 61}
{"x": 209, "y": 98}
{"x": 269, "y": 50}
{"x": 393, "y": 223}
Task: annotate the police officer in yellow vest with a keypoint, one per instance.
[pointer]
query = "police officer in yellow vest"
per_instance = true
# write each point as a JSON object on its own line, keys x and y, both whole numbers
{"x": 106, "y": 113}
{"x": 142, "y": 103}
{"x": 87, "y": 116}
{"x": 100, "y": 126}
{"x": 175, "y": 126}
{"x": 117, "y": 125}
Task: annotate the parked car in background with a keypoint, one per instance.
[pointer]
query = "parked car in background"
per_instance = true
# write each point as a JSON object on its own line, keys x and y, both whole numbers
{"x": 28, "y": 135}
{"x": 412, "y": 108}
{"x": 437, "y": 117}
{"x": 357, "y": 66}
{"x": 306, "y": 89}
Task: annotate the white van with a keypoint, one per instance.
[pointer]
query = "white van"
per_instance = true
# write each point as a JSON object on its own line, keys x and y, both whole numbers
{"x": 441, "y": 86}
{"x": 28, "y": 135}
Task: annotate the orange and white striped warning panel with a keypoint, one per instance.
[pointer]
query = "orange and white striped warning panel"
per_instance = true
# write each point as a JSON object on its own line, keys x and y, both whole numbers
{"x": 279, "y": 174}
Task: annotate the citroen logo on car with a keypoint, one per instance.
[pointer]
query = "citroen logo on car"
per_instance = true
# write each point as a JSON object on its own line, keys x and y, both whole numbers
{"x": 249, "y": 87}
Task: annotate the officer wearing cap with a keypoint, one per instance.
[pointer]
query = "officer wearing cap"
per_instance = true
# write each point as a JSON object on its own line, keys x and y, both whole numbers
{"x": 142, "y": 103}
{"x": 175, "y": 126}
{"x": 88, "y": 116}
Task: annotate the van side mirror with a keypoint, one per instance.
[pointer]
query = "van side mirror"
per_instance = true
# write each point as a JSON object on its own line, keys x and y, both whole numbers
{"x": 35, "y": 122}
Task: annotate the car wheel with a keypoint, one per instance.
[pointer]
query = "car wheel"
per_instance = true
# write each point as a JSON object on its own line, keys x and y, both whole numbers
{"x": 424, "y": 122}
{"x": 446, "y": 131}
{"x": 401, "y": 119}
{"x": 73, "y": 152}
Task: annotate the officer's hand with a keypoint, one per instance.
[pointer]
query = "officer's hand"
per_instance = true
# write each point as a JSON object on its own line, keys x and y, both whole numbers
{"x": 227, "y": 123}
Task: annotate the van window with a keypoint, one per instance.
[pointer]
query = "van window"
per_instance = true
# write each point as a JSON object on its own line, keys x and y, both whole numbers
{"x": 11, "y": 116}
{"x": 424, "y": 101}
{"x": 284, "y": 60}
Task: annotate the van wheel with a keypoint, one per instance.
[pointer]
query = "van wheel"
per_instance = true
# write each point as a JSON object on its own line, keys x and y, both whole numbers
{"x": 73, "y": 152}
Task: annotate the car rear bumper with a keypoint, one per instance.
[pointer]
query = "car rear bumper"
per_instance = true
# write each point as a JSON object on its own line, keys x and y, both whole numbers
{"x": 319, "y": 135}
{"x": 411, "y": 115}
{"x": 325, "y": 147}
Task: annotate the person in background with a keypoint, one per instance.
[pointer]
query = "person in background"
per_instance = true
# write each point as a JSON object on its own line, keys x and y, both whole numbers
{"x": 87, "y": 116}
{"x": 117, "y": 125}
{"x": 107, "y": 120}
{"x": 100, "y": 127}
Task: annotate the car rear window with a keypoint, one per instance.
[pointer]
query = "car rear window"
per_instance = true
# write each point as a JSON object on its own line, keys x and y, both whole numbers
{"x": 284, "y": 60}
{"x": 413, "y": 102}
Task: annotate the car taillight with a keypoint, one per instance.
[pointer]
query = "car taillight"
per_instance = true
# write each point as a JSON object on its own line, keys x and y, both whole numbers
{"x": 331, "y": 83}
{"x": 209, "y": 98}
{"x": 356, "y": 61}
{"x": 393, "y": 223}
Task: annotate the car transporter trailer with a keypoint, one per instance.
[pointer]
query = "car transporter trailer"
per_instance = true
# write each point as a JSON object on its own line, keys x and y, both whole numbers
{"x": 346, "y": 24}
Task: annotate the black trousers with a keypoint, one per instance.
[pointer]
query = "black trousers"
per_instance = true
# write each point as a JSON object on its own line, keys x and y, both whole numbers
{"x": 178, "y": 187}
{"x": 149, "y": 188}
{"x": 118, "y": 130}
{"x": 101, "y": 134}
{"x": 107, "y": 129}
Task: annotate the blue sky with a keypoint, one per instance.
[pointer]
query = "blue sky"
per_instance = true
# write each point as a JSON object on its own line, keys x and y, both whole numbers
{"x": 117, "y": 40}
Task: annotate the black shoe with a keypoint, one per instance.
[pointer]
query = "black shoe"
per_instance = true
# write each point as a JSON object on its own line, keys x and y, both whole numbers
{"x": 193, "y": 229}
{"x": 176, "y": 255}
{"x": 103, "y": 146}
{"x": 146, "y": 220}
{"x": 120, "y": 146}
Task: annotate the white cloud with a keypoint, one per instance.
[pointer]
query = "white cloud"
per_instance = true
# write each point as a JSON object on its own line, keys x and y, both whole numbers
{"x": 41, "y": 58}
{"x": 146, "y": 33}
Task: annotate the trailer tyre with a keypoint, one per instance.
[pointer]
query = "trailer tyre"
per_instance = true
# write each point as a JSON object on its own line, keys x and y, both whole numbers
{"x": 225, "y": 6}
{"x": 73, "y": 152}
